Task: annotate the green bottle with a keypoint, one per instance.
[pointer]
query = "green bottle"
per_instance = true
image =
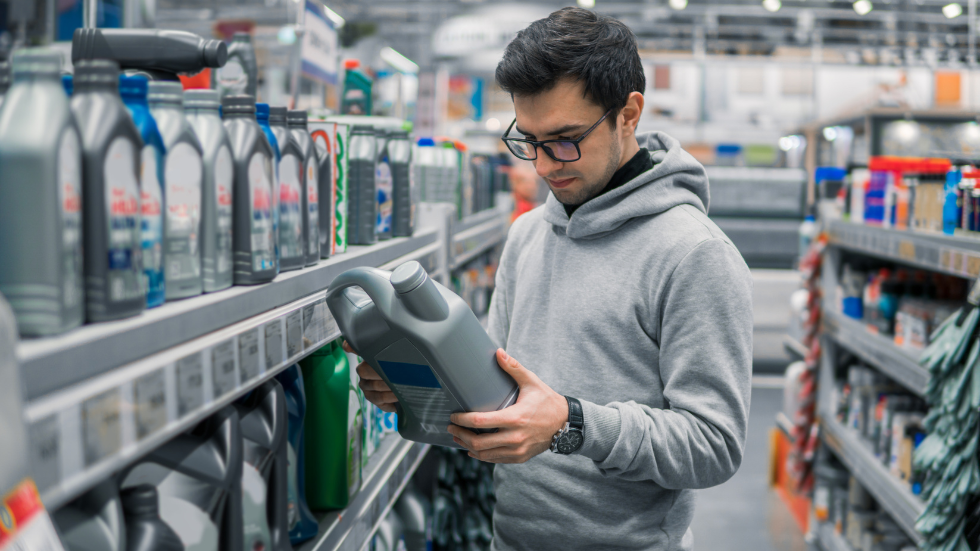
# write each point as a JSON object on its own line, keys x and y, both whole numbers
{"x": 332, "y": 429}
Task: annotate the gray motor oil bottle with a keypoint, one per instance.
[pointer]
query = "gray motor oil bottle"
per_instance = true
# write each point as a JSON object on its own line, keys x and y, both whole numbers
{"x": 183, "y": 177}
{"x": 198, "y": 476}
{"x": 253, "y": 242}
{"x": 240, "y": 74}
{"x": 40, "y": 223}
{"x": 264, "y": 420}
{"x": 415, "y": 511}
{"x": 323, "y": 147}
{"x": 201, "y": 107}
{"x": 145, "y": 530}
{"x": 362, "y": 191}
{"x": 93, "y": 522}
{"x": 158, "y": 54}
{"x": 292, "y": 247}
{"x": 404, "y": 188}
{"x": 296, "y": 120}
{"x": 112, "y": 238}
{"x": 425, "y": 343}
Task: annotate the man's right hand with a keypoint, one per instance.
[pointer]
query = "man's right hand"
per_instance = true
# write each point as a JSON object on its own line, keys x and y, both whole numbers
{"x": 373, "y": 386}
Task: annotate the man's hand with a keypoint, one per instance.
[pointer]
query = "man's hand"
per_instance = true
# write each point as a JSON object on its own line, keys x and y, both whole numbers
{"x": 525, "y": 429}
{"x": 374, "y": 387}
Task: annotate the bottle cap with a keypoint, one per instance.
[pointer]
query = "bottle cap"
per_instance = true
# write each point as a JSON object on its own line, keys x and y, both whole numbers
{"x": 297, "y": 117}
{"x": 351, "y": 64}
{"x": 277, "y": 115}
{"x": 141, "y": 501}
{"x": 242, "y": 103}
{"x": 133, "y": 86}
{"x": 96, "y": 72}
{"x": 407, "y": 277}
{"x": 201, "y": 99}
{"x": 426, "y": 142}
{"x": 37, "y": 61}
{"x": 215, "y": 53}
{"x": 166, "y": 92}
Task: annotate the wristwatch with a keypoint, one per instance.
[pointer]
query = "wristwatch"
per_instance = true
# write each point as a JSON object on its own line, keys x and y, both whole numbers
{"x": 569, "y": 439}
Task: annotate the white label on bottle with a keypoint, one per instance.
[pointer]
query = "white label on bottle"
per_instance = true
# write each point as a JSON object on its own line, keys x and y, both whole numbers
{"x": 70, "y": 190}
{"x": 232, "y": 78}
{"x": 190, "y": 384}
{"x": 124, "y": 243}
{"x": 313, "y": 206}
{"x": 150, "y": 392}
{"x": 223, "y": 368}
{"x": 151, "y": 208}
{"x": 294, "y": 333}
{"x": 184, "y": 172}
{"x": 260, "y": 187}
{"x": 223, "y": 185}
{"x": 36, "y": 534}
{"x": 255, "y": 522}
{"x": 101, "y": 426}
{"x": 290, "y": 215}
{"x": 273, "y": 344}
{"x": 385, "y": 187}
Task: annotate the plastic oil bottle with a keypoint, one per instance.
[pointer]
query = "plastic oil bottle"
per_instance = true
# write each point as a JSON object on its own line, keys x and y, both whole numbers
{"x": 404, "y": 186}
{"x": 362, "y": 193}
{"x": 112, "y": 237}
{"x": 39, "y": 143}
{"x": 183, "y": 177}
{"x": 342, "y": 229}
{"x": 292, "y": 248}
{"x": 201, "y": 107}
{"x": 385, "y": 188}
{"x": 357, "y": 90}
{"x": 324, "y": 136}
{"x": 145, "y": 530}
{"x": 333, "y": 429}
{"x": 262, "y": 117}
{"x": 298, "y": 129}
{"x": 302, "y": 523}
{"x": 240, "y": 74}
{"x": 155, "y": 53}
{"x": 93, "y": 522}
{"x": 253, "y": 238}
{"x": 133, "y": 91}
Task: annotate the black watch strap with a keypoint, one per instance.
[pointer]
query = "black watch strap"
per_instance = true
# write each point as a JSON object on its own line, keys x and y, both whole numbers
{"x": 576, "y": 420}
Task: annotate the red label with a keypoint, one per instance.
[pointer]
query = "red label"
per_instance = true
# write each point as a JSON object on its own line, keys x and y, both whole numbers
{"x": 72, "y": 201}
{"x": 17, "y": 509}
{"x": 148, "y": 205}
{"x": 122, "y": 204}
{"x": 224, "y": 196}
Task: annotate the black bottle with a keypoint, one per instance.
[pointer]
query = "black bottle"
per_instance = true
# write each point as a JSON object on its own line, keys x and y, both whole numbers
{"x": 145, "y": 530}
{"x": 160, "y": 54}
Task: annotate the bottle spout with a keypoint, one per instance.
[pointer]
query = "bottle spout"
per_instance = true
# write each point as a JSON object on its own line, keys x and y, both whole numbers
{"x": 418, "y": 292}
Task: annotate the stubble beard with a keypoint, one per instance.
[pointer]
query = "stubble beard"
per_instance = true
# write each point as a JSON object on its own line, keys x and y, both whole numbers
{"x": 589, "y": 190}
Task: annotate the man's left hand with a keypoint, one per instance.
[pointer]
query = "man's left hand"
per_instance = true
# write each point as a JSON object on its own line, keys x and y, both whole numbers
{"x": 524, "y": 429}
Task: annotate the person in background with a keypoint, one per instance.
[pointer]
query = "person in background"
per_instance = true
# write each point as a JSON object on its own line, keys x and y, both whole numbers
{"x": 524, "y": 186}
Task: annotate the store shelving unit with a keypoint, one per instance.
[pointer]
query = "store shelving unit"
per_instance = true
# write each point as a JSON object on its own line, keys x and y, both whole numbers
{"x": 877, "y": 350}
{"x": 830, "y": 540}
{"x": 478, "y": 233}
{"x": 794, "y": 347}
{"x": 386, "y": 475}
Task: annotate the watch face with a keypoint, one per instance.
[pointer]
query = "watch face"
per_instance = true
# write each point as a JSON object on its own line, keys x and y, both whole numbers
{"x": 570, "y": 441}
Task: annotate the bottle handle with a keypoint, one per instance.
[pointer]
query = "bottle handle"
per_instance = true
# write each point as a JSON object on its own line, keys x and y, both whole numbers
{"x": 373, "y": 281}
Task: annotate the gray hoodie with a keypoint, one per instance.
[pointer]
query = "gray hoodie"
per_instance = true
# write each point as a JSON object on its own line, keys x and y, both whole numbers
{"x": 640, "y": 307}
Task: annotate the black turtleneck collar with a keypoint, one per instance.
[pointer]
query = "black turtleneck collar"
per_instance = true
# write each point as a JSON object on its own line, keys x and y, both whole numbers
{"x": 640, "y": 163}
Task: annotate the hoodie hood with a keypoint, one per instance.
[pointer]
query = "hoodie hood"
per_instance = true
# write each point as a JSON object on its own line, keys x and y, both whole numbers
{"x": 675, "y": 179}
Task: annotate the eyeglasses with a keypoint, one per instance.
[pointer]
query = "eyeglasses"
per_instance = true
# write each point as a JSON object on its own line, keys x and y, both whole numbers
{"x": 563, "y": 151}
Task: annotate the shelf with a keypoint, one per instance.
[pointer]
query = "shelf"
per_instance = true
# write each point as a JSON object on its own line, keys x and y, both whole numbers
{"x": 794, "y": 347}
{"x": 477, "y": 234}
{"x": 877, "y": 350}
{"x": 51, "y": 364}
{"x": 890, "y": 493}
{"x": 387, "y": 473}
{"x": 830, "y": 540}
{"x": 949, "y": 254}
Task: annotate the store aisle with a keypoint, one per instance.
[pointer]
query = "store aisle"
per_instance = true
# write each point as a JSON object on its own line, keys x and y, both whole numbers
{"x": 770, "y": 304}
{"x": 744, "y": 514}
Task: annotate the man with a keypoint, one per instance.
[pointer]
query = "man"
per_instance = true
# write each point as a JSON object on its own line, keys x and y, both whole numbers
{"x": 618, "y": 293}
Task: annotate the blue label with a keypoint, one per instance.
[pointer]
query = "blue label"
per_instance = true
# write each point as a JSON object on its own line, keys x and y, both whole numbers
{"x": 410, "y": 374}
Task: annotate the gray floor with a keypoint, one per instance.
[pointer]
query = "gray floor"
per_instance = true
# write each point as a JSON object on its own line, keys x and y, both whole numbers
{"x": 743, "y": 513}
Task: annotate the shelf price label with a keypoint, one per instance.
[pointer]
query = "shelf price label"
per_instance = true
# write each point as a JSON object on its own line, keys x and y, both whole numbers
{"x": 294, "y": 333}
{"x": 273, "y": 344}
{"x": 150, "y": 396}
{"x": 248, "y": 354}
{"x": 906, "y": 250}
{"x": 45, "y": 438}
{"x": 311, "y": 326}
{"x": 101, "y": 426}
{"x": 223, "y": 368}
{"x": 190, "y": 384}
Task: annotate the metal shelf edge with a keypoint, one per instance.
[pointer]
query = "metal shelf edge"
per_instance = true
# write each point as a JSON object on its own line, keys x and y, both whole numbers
{"x": 829, "y": 539}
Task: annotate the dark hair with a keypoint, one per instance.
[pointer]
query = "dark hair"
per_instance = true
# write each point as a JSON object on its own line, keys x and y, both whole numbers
{"x": 574, "y": 43}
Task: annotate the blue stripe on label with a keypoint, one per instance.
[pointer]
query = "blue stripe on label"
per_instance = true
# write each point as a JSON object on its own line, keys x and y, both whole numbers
{"x": 408, "y": 374}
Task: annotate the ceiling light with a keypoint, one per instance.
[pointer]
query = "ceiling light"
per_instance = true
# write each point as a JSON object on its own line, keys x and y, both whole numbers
{"x": 677, "y": 4}
{"x": 830, "y": 133}
{"x": 334, "y": 17}
{"x": 587, "y": 4}
{"x": 952, "y": 11}
{"x": 398, "y": 61}
{"x": 772, "y": 5}
{"x": 863, "y": 7}
{"x": 493, "y": 124}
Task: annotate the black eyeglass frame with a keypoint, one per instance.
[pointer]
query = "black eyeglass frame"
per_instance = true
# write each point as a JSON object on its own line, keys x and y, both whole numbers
{"x": 542, "y": 144}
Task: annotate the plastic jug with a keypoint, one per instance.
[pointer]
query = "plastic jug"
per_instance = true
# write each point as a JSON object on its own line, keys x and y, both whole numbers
{"x": 262, "y": 117}
{"x": 425, "y": 343}
{"x": 357, "y": 90}
{"x": 253, "y": 237}
{"x": 183, "y": 176}
{"x": 240, "y": 74}
{"x": 201, "y": 107}
{"x": 145, "y": 530}
{"x": 324, "y": 136}
{"x": 302, "y": 524}
{"x": 385, "y": 186}
{"x": 296, "y": 121}
{"x": 415, "y": 512}
{"x": 333, "y": 429}
{"x": 362, "y": 193}
{"x": 93, "y": 522}
{"x": 5, "y": 79}
{"x": 198, "y": 476}
{"x": 263, "y": 417}
{"x": 158, "y": 54}
{"x": 133, "y": 91}
{"x": 292, "y": 248}
{"x": 41, "y": 274}
{"x": 404, "y": 185}
{"x": 112, "y": 237}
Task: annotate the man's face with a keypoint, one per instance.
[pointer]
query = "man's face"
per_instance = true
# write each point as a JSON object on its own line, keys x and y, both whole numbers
{"x": 564, "y": 113}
